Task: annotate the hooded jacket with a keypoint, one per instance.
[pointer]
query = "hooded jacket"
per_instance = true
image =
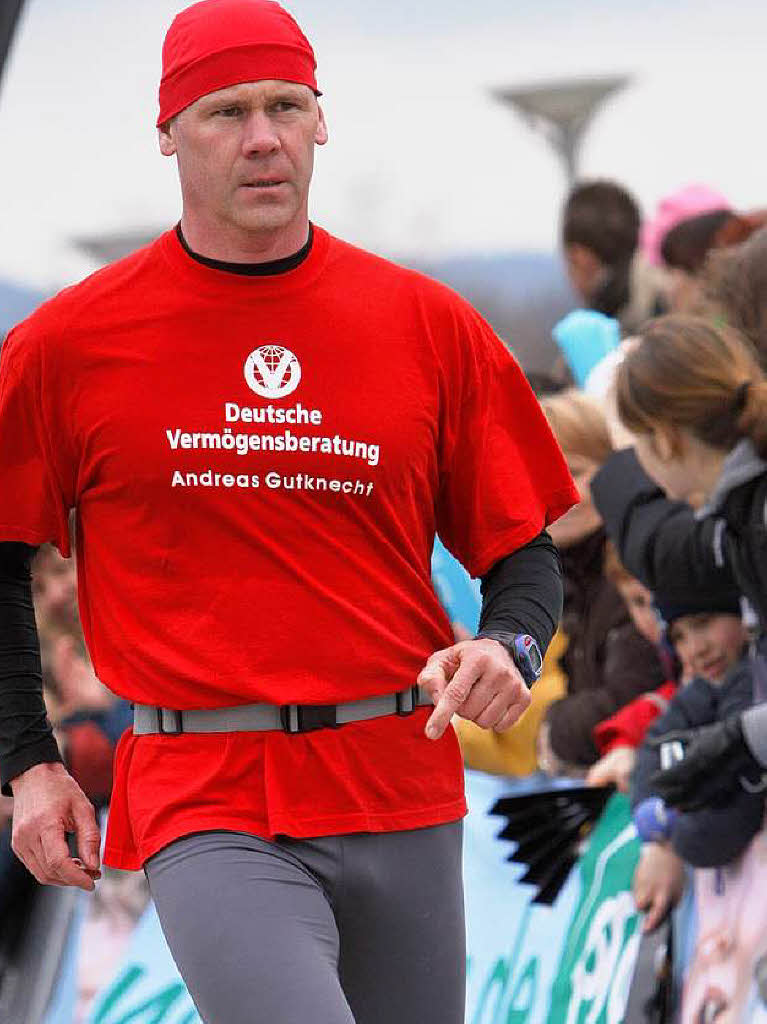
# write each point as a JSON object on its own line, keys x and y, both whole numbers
{"x": 713, "y": 836}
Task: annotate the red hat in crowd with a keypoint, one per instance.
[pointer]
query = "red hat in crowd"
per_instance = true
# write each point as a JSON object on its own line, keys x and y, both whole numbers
{"x": 218, "y": 43}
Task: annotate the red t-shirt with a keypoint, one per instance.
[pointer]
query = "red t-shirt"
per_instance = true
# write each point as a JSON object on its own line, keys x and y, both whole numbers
{"x": 259, "y": 465}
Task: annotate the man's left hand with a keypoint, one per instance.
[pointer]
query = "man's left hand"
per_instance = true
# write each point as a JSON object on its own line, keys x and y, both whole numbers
{"x": 477, "y": 680}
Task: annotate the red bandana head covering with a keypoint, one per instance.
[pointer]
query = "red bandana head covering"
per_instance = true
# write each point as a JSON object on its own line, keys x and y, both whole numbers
{"x": 218, "y": 43}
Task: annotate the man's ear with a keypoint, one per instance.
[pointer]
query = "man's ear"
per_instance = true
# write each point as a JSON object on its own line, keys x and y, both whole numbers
{"x": 166, "y": 139}
{"x": 321, "y": 135}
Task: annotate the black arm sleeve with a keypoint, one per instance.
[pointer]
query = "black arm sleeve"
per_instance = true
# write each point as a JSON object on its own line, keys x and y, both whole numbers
{"x": 522, "y": 593}
{"x": 26, "y": 736}
{"x": 659, "y": 541}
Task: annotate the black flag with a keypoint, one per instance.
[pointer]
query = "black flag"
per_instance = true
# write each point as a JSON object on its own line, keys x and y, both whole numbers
{"x": 10, "y": 11}
{"x": 549, "y": 827}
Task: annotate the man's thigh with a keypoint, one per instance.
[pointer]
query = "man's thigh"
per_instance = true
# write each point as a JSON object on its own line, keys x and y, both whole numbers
{"x": 401, "y": 921}
{"x": 250, "y": 929}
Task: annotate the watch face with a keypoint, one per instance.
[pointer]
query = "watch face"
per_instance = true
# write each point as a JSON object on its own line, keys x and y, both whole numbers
{"x": 529, "y": 654}
{"x": 535, "y": 658}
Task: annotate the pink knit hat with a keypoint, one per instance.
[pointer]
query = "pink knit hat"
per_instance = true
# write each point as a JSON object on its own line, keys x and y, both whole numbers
{"x": 217, "y": 43}
{"x": 690, "y": 201}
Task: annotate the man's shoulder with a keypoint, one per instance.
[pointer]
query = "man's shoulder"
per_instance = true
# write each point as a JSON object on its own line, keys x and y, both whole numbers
{"x": 72, "y": 306}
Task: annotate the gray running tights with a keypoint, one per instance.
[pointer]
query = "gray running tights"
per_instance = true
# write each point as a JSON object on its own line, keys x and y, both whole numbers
{"x": 365, "y": 928}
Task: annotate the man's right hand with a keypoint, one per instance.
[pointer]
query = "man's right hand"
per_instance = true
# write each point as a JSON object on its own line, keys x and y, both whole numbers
{"x": 47, "y": 804}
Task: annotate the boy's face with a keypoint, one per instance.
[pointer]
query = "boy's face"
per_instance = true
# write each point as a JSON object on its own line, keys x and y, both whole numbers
{"x": 638, "y": 600}
{"x": 708, "y": 644}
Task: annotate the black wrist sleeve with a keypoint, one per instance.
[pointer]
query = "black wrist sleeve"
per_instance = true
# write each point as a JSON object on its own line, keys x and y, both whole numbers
{"x": 26, "y": 736}
{"x": 522, "y": 593}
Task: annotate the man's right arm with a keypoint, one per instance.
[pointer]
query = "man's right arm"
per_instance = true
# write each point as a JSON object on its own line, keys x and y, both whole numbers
{"x": 26, "y": 736}
{"x": 48, "y": 803}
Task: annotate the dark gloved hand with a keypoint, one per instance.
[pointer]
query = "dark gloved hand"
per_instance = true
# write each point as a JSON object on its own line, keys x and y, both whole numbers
{"x": 716, "y": 756}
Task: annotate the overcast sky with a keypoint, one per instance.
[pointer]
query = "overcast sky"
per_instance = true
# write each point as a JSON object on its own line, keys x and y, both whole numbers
{"x": 421, "y": 160}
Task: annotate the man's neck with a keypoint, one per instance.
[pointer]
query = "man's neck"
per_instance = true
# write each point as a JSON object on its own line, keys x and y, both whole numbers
{"x": 245, "y": 246}
{"x": 270, "y": 268}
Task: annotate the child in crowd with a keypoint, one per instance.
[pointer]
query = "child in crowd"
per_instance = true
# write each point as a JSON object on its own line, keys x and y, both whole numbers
{"x": 709, "y": 637}
{"x": 618, "y": 736}
{"x": 607, "y": 662}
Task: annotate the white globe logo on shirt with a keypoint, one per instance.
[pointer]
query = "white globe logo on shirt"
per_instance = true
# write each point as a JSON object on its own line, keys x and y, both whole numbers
{"x": 272, "y": 371}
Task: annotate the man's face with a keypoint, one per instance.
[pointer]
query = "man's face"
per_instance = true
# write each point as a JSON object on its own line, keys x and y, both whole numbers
{"x": 246, "y": 154}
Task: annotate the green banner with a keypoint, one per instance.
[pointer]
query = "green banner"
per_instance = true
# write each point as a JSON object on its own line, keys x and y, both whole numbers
{"x": 597, "y": 965}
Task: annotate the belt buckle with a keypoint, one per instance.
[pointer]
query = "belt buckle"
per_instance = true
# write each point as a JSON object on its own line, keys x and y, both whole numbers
{"x": 297, "y": 718}
{"x": 407, "y": 701}
{"x": 177, "y": 719}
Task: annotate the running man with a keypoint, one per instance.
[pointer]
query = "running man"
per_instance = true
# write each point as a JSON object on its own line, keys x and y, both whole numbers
{"x": 260, "y": 428}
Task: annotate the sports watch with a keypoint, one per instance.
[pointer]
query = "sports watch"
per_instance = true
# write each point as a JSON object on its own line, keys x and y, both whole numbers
{"x": 527, "y": 657}
{"x": 524, "y": 651}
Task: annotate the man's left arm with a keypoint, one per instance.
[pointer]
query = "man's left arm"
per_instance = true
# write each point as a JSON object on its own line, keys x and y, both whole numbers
{"x": 522, "y": 593}
{"x": 478, "y": 679}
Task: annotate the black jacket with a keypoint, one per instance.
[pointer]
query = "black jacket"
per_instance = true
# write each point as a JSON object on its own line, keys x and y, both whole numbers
{"x": 713, "y": 836}
{"x": 668, "y": 547}
{"x": 607, "y": 662}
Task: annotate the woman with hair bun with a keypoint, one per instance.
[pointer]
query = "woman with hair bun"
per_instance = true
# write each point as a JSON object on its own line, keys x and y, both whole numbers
{"x": 695, "y": 397}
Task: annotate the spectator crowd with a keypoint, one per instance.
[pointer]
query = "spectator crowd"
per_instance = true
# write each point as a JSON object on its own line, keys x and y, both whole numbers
{"x": 657, "y": 679}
